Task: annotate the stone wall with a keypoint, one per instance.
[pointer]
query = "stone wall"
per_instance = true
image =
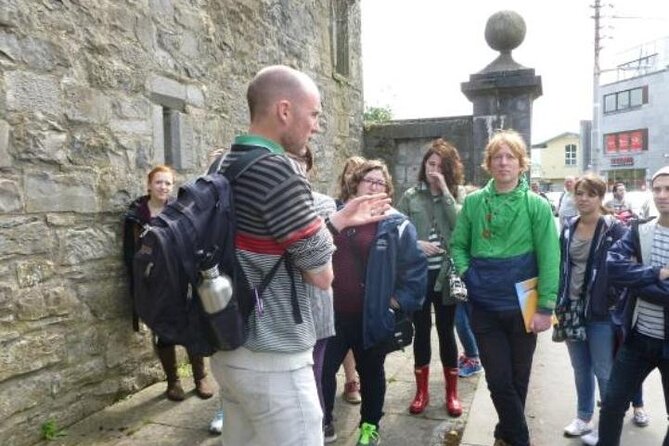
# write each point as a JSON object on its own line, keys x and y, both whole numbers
{"x": 92, "y": 93}
{"x": 402, "y": 144}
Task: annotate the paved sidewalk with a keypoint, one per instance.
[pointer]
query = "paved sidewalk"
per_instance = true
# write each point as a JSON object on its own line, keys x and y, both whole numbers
{"x": 147, "y": 418}
{"x": 551, "y": 404}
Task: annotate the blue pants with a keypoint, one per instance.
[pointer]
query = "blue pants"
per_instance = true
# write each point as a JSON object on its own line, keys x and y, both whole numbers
{"x": 638, "y": 356}
{"x": 464, "y": 329}
{"x": 590, "y": 359}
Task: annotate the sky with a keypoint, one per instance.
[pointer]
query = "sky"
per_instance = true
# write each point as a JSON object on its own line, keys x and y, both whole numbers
{"x": 416, "y": 53}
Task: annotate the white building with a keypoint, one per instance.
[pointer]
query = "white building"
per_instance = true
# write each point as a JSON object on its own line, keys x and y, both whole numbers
{"x": 633, "y": 119}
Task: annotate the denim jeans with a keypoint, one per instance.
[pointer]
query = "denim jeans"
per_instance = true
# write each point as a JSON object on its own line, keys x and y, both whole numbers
{"x": 464, "y": 330}
{"x": 590, "y": 359}
{"x": 369, "y": 364}
{"x": 638, "y": 356}
{"x": 506, "y": 354}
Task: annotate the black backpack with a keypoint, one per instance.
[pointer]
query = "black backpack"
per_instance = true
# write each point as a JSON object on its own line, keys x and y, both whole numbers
{"x": 194, "y": 232}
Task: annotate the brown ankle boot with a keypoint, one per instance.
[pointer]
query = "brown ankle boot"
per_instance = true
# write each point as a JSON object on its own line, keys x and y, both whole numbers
{"x": 168, "y": 359}
{"x": 203, "y": 387}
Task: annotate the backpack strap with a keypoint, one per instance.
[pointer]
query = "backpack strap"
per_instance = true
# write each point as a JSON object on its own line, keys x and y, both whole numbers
{"x": 232, "y": 173}
{"x": 246, "y": 160}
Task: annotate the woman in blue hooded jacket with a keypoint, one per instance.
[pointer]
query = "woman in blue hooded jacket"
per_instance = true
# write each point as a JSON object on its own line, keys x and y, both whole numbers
{"x": 378, "y": 270}
{"x": 585, "y": 299}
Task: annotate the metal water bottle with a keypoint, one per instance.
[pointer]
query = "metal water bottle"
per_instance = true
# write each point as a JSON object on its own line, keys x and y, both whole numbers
{"x": 215, "y": 290}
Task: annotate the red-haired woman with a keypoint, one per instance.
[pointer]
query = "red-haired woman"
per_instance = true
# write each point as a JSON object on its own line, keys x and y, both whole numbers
{"x": 160, "y": 182}
{"x": 432, "y": 207}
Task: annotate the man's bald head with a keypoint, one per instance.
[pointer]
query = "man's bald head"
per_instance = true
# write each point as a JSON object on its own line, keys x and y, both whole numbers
{"x": 276, "y": 83}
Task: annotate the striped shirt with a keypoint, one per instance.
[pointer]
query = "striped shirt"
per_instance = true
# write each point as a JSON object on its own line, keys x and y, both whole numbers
{"x": 650, "y": 317}
{"x": 275, "y": 212}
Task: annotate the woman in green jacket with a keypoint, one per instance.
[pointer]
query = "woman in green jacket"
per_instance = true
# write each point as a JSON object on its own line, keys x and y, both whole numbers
{"x": 432, "y": 207}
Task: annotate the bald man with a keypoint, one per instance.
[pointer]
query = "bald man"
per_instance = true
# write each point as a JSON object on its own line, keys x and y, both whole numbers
{"x": 267, "y": 386}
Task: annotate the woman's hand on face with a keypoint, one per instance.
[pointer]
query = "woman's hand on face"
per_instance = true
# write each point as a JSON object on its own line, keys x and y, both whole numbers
{"x": 361, "y": 210}
{"x": 437, "y": 178}
{"x": 429, "y": 248}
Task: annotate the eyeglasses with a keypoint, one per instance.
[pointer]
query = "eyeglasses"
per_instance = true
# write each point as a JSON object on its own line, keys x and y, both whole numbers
{"x": 374, "y": 182}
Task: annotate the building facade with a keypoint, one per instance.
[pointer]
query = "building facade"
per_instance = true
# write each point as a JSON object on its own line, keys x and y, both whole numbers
{"x": 558, "y": 158}
{"x": 92, "y": 94}
{"x": 633, "y": 123}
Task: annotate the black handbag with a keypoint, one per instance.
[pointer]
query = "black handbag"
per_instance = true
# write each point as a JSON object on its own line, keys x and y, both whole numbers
{"x": 402, "y": 334}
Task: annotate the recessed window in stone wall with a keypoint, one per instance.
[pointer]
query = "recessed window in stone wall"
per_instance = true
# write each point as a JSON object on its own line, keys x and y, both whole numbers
{"x": 340, "y": 37}
{"x": 173, "y": 134}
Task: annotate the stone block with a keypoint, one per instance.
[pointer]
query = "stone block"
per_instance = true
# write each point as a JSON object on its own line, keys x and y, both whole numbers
{"x": 137, "y": 127}
{"x": 24, "y": 236}
{"x": 29, "y": 92}
{"x": 87, "y": 105}
{"x": 49, "y": 192}
{"x": 81, "y": 245}
{"x": 31, "y": 352}
{"x": 106, "y": 299}
{"x": 59, "y": 220}
{"x": 30, "y": 306}
{"x": 45, "y": 145}
{"x": 158, "y": 127}
{"x": 131, "y": 108}
{"x": 10, "y": 197}
{"x": 33, "y": 272}
{"x": 5, "y": 157}
{"x": 167, "y": 92}
{"x": 195, "y": 96}
{"x": 22, "y": 394}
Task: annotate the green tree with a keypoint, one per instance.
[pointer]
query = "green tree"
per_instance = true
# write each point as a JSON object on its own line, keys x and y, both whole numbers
{"x": 377, "y": 115}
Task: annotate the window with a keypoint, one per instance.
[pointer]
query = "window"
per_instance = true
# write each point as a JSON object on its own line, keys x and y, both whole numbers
{"x": 570, "y": 155}
{"x": 626, "y": 99}
{"x": 626, "y": 142}
{"x": 340, "y": 37}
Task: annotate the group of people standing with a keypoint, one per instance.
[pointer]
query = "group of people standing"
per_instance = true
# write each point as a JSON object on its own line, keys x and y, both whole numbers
{"x": 355, "y": 263}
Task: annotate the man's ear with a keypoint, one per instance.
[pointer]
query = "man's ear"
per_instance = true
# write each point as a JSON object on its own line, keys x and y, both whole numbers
{"x": 283, "y": 110}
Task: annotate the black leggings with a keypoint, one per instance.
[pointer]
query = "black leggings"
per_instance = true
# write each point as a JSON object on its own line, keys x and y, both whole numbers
{"x": 445, "y": 318}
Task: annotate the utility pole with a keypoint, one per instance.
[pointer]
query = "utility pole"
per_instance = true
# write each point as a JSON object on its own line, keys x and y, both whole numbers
{"x": 595, "y": 143}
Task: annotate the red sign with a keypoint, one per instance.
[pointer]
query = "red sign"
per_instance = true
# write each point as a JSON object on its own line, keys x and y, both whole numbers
{"x": 625, "y": 142}
{"x": 636, "y": 141}
{"x": 611, "y": 144}
{"x": 622, "y": 161}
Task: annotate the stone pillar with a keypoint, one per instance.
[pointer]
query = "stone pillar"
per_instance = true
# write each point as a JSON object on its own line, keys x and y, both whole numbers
{"x": 502, "y": 93}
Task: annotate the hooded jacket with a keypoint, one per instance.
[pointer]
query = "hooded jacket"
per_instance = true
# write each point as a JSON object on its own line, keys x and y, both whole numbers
{"x": 599, "y": 295}
{"x": 395, "y": 268}
{"x": 501, "y": 239}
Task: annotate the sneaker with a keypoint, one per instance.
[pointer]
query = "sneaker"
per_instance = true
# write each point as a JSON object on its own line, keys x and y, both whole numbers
{"x": 577, "y": 428}
{"x": 216, "y": 425}
{"x": 461, "y": 361}
{"x": 329, "y": 433}
{"x": 352, "y": 392}
{"x": 368, "y": 435}
{"x": 470, "y": 367}
{"x": 640, "y": 417}
{"x": 590, "y": 439}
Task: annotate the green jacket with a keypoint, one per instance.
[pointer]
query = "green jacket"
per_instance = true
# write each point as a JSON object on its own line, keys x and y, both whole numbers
{"x": 416, "y": 202}
{"x": 502, "y": 239}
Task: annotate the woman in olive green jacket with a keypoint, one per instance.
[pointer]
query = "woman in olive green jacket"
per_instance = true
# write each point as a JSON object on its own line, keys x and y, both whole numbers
{"x": 432, "y": 207}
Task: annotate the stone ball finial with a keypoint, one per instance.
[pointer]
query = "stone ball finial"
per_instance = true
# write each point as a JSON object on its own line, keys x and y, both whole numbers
{"x": 505, "y": 31}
